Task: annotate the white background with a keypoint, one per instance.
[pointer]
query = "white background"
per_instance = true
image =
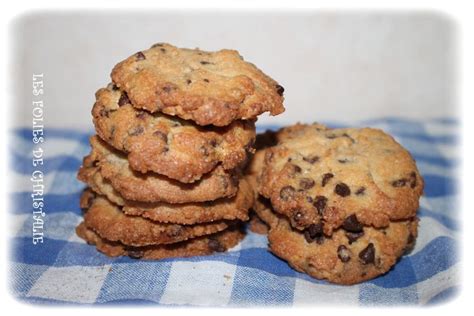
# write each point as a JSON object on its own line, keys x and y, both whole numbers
{"x": 334, "y": 65}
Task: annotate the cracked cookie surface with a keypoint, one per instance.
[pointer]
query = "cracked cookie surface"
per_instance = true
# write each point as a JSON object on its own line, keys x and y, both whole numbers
{"x": 166, "y": 145}
{"x": 344, "y": 257}
{"x": 109, "y": 222}
{"x": 200, "y": 246}
{"x": 151, "y": 187}
{"x": 340, "y": 177}
{"x": 209, "y": 88}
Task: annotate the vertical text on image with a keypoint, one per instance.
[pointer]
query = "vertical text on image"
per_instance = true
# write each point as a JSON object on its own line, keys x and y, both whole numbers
{"x": 37, "y": 176}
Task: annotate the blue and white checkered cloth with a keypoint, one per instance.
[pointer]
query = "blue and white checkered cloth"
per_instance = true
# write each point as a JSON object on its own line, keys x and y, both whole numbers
{"x": 65, "y": 270}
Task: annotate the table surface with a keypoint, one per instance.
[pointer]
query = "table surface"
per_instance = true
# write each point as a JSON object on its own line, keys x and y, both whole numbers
{"x": 65, "y": 270}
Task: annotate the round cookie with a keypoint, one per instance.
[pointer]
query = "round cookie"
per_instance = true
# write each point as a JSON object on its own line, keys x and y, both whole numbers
{"x": 167, "y": 145}
{"x": 109, "y": 222}
{"x": 152, "y": 187}
{"x": 199, "y": 246}
{"x": 342, "y": 258}
{"x": 207, "y": 87}
{"x": 340, "y": 177}
{"x": 233, "y": 208}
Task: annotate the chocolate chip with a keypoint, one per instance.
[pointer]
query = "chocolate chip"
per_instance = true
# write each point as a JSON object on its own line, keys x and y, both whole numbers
{"x": 203, "y": 62}
{"x": 314, "y": 233}
{"x": 161, "y": 135}
{"x": 331, "y": 136}
{"x": 320, "y": 203}
{"x": 342, "y": 189}
{"x": 213, "y": 142}
{"x": 297, "y": 217}
{"x": 114, "y": 87}
{"x": 360, "y": 191}
{"x": 306, "y": 183}
{"x": 123, "y": 99}
{"x": 294, "y": 169}
{"x": 413, "y": 180}
{"x": 309, "y": 199}
{"x": 280, "y": 89}
{"x": 205, "y": 80}
{"x": 315, "y": 229}
{"x": 135, "y": 254}
{"x": 188, "y": 81}
{"x": 157, "y": 45}
{"x": 326, "y": 178}
{"x": 351, "y": 224}
{"x": 163, "y": 50}
{"x": 215, "y": 245}
{"x": 312, "y": 159}
{"x": 368, "y": 254}
{"x": 343, "y": 253}
{"x": 354, "y": 236}
{"x": 136, "y": 131}
{"x": 140, "y": 56}
{"x": 287, "y": 193}
{"x": 345, "y": 160}
{"x": 399, "y": 183}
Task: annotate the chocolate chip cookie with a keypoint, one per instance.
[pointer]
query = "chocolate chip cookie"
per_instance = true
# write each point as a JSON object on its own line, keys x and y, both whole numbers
{"x": 151, "y": 187}
{"x": 236, "y": 207}
{"x": 166, "y": 145}
{"x": 206, "y": 87}
{"x": 340, "y": 178}
{"x": 200, "y": 246}
{"x": 345, "y": 257}
{"x": 110, "y": 222}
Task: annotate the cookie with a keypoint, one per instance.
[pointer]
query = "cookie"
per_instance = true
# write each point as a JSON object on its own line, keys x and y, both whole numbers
{"x": 342, "y": 258}
{"x": 257, "y": 225}
{"x": 152, "y": 187}
{"x": 109, "y": 222}
{"x": 235, "y": 208}
{"x": 186, "y": 214}
{"x": 199, "y": 246}
{"x": 206, "y": 87}
{"x": 167, "y": 145}
{"x": 340, "y": 177}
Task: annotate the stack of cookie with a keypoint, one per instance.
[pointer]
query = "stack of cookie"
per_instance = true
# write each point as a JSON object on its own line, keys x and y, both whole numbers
{"x": 340, "y": 204}
{"x": 175, "y": 129}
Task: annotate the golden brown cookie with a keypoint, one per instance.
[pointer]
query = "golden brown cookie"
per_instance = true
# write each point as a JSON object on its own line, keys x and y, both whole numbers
{"x": 151, "y": 187}
{"x": 340, "y": 177}
{"x": 207, "y": 87}
{"x": 167, "y": 145}
{"x": 236, "y": 207}
{"x": 109, "y": 222}
{"x": 344, "y": 257}
{"x": 199, "y": 246}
